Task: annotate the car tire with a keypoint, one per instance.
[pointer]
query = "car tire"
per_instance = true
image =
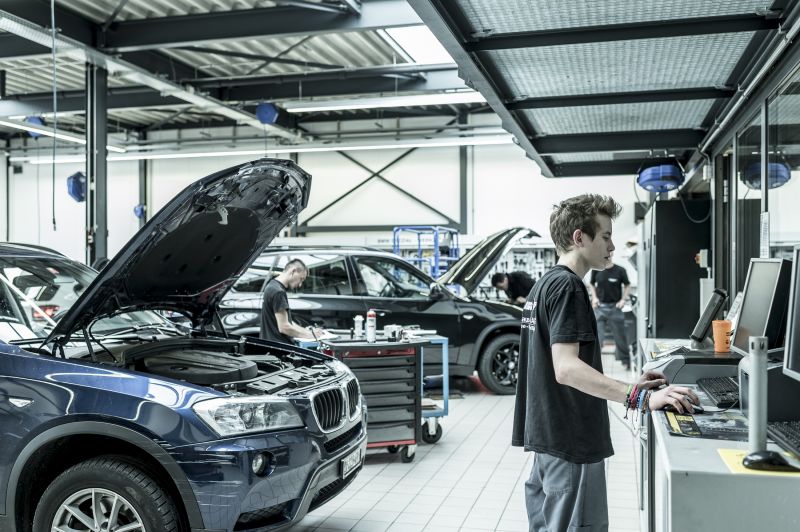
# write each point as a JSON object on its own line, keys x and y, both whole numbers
{"x": 124, "y": 491}
{"x": 497, "y": 367}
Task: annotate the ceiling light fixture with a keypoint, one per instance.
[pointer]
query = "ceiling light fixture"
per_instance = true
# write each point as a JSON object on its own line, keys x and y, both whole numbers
{"x": 414, "y": 100}
{"x": 481, "y": 140}
{"x": 50, "y": 132}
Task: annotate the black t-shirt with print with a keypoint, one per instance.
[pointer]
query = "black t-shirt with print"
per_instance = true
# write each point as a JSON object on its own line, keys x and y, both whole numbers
{"x": 609, "y": 282}
{"x": 549, "y": 417}
{"x": 275, "y": 300}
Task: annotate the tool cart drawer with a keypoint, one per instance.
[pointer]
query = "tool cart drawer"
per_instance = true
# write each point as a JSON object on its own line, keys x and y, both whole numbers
{"x": 387, "y": 386}
{"x": 386, "y": 414}
{"x": 384, "y": 374}
{"x": 389, "y": 432}
{"x": 390, "y": 399}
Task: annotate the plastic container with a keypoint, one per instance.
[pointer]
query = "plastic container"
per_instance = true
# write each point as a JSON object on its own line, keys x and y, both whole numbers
{"x": 371, "y": 319}
{"x": 358, "y": 327}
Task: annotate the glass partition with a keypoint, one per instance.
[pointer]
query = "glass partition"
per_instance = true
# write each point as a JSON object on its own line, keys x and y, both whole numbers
{"x": 748, "y": 198}
{"x": 784, "y": 165}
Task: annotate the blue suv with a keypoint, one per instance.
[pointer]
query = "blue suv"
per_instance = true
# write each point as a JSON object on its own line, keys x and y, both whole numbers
{"x": 119, "y": 420}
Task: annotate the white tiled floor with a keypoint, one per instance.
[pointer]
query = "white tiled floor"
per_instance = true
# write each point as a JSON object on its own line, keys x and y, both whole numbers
{"x": 471, "y": 480}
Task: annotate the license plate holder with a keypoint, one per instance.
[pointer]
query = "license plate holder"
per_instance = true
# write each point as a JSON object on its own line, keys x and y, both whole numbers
{"x": 350, "y": 463}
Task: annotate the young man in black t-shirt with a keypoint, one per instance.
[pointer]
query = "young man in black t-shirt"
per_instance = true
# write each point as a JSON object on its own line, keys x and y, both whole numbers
{"x": 276, "y": 317}
{"x": 516, "y": 285}
{"x": 610, "y": 289}
{"x": 561, "y": 412}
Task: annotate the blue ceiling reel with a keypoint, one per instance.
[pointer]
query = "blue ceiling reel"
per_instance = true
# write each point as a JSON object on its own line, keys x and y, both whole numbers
{"x": 660, "y": 175}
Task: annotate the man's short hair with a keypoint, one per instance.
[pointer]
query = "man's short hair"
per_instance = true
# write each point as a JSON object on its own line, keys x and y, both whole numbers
{"x": 498, "y": 278}
{"x": 579, "y": 212}
{"x": 296, "y": 264}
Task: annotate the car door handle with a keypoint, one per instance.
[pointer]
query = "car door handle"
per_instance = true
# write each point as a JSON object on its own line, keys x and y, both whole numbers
{"x": 468, "y": 316}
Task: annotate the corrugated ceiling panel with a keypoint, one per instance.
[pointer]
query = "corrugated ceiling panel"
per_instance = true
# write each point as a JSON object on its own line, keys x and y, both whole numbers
{"x": 621, "y": 66}
{"x": 487, "y": 17}
{"x": 351, "y": 49}
{"x": 628, "y": 117}
{"x": 34, "y": 75}
{"x": 99, "y": 10}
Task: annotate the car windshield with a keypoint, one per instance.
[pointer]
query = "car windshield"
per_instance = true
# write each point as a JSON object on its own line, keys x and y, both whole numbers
{"x": 36, "y": 292}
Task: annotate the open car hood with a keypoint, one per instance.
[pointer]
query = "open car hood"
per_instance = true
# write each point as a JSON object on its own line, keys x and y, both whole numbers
{"x": 470, "y": 269}
{"x": 189, "y": 254}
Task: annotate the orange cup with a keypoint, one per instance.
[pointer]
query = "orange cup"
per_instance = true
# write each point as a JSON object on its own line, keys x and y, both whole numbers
{"x": 722, "y": 332}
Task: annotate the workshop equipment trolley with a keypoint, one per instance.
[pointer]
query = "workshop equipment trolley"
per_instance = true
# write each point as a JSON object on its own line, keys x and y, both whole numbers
{"x": 390, "y": 377}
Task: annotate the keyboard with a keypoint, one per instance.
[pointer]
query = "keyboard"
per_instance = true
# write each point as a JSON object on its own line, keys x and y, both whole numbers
{"x": 786, "y": 434}
{"x": 723, "y": 391}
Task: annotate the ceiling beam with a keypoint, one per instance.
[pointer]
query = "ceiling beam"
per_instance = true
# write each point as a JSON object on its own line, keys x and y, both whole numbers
{"x": 625, "y": 32}
{"x": 598, "y": 168}
{"x": 171, "y": 32}
{"x": 403, "y": 70}
{"x": 620, "y": 98}
{"x": 630, "y": 140}
{"x": 434, "y": 81}
{"x": 75, "y": 101}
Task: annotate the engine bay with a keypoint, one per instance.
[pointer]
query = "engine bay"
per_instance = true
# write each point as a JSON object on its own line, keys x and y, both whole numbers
{"x": 232, "y": 365}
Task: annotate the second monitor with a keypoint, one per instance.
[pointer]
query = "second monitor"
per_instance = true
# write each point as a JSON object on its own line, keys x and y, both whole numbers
{"x": 763, "y": 310}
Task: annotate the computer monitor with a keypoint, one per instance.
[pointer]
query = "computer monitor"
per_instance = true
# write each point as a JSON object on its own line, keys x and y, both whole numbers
{"x": 791, "y": 359}
{"x": 763, "y": 312}
{"x": 710, "y": 313}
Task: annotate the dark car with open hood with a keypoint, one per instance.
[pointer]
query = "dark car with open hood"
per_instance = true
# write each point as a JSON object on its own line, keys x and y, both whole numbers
{"x": 342, "y": 282}
{"x": 114, "y": 418}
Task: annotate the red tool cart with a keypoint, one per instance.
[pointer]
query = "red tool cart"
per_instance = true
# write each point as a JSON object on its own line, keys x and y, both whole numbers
{"x": 389, "y": 376}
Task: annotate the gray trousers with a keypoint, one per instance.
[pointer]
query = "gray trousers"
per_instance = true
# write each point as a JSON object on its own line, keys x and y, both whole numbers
{"x": 616, "y": 320}
{"x": 566, "y": 497}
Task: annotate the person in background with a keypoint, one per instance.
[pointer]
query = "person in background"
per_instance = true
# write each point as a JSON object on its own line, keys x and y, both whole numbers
{"x": 276, "y": 317}
{"x": 610, "y": 288}
{"x": 561, "y": 410}
{"x": 517, "y": 286}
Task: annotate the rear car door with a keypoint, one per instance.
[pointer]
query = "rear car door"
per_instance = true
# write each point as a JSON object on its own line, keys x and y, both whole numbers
{"x": 401, "y": 295}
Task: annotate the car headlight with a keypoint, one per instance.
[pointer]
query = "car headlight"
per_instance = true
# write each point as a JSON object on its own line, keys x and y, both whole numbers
{"x": 229, "y": 416}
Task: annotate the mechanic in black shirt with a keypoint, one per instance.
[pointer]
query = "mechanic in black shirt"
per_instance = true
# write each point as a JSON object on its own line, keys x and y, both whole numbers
{"x": 610, "y": 289}
{"x": 276, "y": 317}
{"x": 561, "y": 412}
{"x": 517, "y": 286}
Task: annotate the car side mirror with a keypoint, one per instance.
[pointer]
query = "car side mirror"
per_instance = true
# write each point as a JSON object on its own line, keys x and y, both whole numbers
{"x": 436, "y": 292}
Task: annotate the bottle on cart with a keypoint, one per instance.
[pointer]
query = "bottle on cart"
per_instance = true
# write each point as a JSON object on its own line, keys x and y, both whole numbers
{"x": 371, "y": 318}
{"x": 358, "y": 327}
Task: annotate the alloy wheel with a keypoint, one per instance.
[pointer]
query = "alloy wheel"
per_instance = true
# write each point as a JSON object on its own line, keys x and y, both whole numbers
{"x": 96, "y": 510}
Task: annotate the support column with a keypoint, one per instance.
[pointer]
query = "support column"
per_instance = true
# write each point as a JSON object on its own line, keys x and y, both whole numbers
{"x": 143, "y": 182}
{"x": 96, "y": 164}
{"x": 463, "y": 169}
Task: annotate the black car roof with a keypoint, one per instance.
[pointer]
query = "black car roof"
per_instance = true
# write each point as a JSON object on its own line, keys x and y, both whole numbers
{"x": 14, "y": 249}
{"x": 346, "y": 250}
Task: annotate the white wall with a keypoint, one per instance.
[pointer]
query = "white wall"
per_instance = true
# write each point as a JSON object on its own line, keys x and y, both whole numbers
{"x": 504, "y": 189}
{"x": 31, "y": 208}
{"x": 509, "y": 190}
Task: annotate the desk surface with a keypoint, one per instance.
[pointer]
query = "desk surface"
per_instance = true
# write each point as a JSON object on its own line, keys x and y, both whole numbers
{"x": 700, "y": 492}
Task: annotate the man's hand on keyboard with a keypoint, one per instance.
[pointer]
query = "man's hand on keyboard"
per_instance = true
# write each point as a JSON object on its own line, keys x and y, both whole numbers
{"x": 651, "y": 379}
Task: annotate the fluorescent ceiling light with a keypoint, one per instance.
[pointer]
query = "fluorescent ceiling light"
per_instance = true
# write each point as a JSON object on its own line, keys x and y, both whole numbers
{"x": 480, "y": 140}
{"x": 419, "y": 43}
{"x": 50, "y": 132}
{"x": 447, "y": 98}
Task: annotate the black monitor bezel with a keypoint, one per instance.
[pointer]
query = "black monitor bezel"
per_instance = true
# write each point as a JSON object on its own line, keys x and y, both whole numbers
{"x": 790, "y": 311}
{"x": 753, "y": 260}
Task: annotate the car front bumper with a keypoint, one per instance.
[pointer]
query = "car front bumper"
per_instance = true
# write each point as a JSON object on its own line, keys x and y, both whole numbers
{"x": 304, "y": 475}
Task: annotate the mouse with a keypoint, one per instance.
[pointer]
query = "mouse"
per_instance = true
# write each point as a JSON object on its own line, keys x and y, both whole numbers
{"x": 697, "y": 409}
{"x": 767, "y": 461}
